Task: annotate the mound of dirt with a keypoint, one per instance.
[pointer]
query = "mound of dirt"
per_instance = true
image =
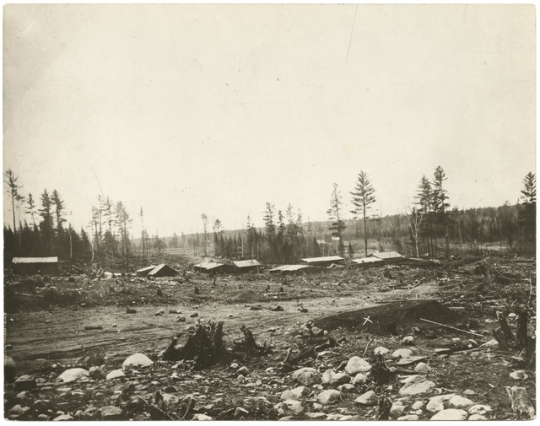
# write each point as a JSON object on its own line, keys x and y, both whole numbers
{"x": 391, "y": 317}
{"x": 245, "y": 296}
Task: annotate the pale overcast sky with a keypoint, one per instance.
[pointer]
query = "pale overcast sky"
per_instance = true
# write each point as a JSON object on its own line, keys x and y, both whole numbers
{"x": 185, "y": 109}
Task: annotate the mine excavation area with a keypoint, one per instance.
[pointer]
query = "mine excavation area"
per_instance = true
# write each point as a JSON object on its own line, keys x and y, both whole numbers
{"x": 453, "y": 340}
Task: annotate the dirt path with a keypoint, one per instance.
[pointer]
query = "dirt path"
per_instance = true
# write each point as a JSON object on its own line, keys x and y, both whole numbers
{"x": 60, "y": 335}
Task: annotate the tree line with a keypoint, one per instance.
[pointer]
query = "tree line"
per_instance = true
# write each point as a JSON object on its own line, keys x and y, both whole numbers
{"x": 49, "y": 234}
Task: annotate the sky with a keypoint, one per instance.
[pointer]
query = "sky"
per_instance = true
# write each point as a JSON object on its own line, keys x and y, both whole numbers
{"x": 217, "y": 109}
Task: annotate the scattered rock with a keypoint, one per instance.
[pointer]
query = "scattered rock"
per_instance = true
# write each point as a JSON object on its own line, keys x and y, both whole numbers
{"x": 402, "y": 353}
{"x": 25, "y": 382}
{"x": 422, "y": 368}
{"x": 477, "y": 417}
{"x": 360, "y": 379}
{"x": 293, "y": 405}
{"x": 131, "y": 311}
{"x": 397, "y": 409}
{"x": 110, "y": 412}
{"x": 357, "y": 365}
{"x": 160, "y": 312}
{"x": 469, "y": 392}
{"x": 115, "y": 374}
{"x": 435, "y": 404}
{"x": 97, "y": 373}
{"x": 328, "y": 396}
{"x": 315, "y": 416}
{"x": 368, "y": 398}
{"x": 412, "y": 417}
{"x": 460, "y": 402}
{"x": 347, "y": 387}
{"x": 180, "y": 318}
{"x": 307, "y": 376}
{"x": 331, "y": 378}
{"x": 72, "y": 374}
{"x": 243, "y": 371}
{"x": 479, "y": 409}
{"x": 295, "y": 393}
{"x": 63, "y": 418}
{"x": 450, "y": 414}
{"x": 419, "y": 385}
{"x": 418, "y": 405}
{"x": 202, "y": 417}
{"x": 408, "y": 340}
{"x": 380, "y": 350}
{"x": 519, "y": 375}
{"x": 137, "y": 360}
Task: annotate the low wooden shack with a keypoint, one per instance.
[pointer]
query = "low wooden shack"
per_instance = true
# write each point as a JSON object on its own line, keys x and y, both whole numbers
{"x": 35, "y": 265}
{"x": 323, "y": 261}
{"x": 163, "y": 270}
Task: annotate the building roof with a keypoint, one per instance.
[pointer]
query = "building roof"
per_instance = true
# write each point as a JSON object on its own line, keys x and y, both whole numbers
{"x": 323, "y": 259}
{"x": 246, "y": 263}
{"x": 159, "y": 268}
{"x": 289, "y": 268}
{"x": 386, "y": 254}
{"x": 365, "y": 260}
{"x": 208, "y": 265}
{"x": 146, "y": 268}
{"x": 35, "y": 260}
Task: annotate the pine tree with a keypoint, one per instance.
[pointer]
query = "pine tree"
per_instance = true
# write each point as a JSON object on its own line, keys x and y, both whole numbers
{"x": 441, "y": 206}
{"x": 363, "y": 197}
{"x": 46, "y": 224}
{"x": 336, "y": 216}
{"x": 527, "y": 216}
{"x": 31, "y": 210}
{"x": 425, "y": 202}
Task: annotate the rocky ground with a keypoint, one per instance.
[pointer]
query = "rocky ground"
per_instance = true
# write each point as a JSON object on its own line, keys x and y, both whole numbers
{"x": 424, "y": 371}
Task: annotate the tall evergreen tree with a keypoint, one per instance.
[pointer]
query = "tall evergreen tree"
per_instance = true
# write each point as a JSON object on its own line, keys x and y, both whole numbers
{"x": 441, "y": 206}
{"x": 46, "y": 225}
{"x": 363, "y": 197}
{"x": 527, "y": 216}
{"x": 336, "y": 217}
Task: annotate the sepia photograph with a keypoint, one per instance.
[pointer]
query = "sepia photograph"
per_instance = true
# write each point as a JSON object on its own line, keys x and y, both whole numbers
{"x": 269, "y": 212}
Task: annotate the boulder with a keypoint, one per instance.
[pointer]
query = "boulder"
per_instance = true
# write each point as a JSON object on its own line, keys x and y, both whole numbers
{"x": 418, "y": 386}
{"x": 360, "y": 379}
{"x": 380, "y": 350}
{"x": 357, "y": 365}
{"x": 202, "y": 417}
{"x": 72, "y": 374}
{"x": 328, "y": 396}
{"x": 137, "y": 360}
{"x": 460, "y": 402}
{"x": 368, "y": 398}
{"x": 97, "y": 373}
{"x": 477, "y": 417}
{"x": 115, "y": 374}
{"x": 402, "y": 353}
{"x": 10, "y": 369}
{"x": 479, "y": 409}
{"x": 347, "y": 387}
{"x": 422, "y": 368}
{"x": 292, "y": 405}
{"x": 25, "y": 382}
{"x": 519, "y": 375}
{"x": 397, "y": 409}
{"x": 417, "y": 405}
{"x": 243, "y": 371}
{"x": 450, "y": 414}
{"x": 307, "y": 376}
{"x": 411, "y": 417}
{"x": 110, "y": 412}
{"x": 63, "y": 418}
{"x": 331, "y": 378}
{"x": 435, "y": 404}
{"x": 407, "y": 340}
{"x": 295, "y": 393}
